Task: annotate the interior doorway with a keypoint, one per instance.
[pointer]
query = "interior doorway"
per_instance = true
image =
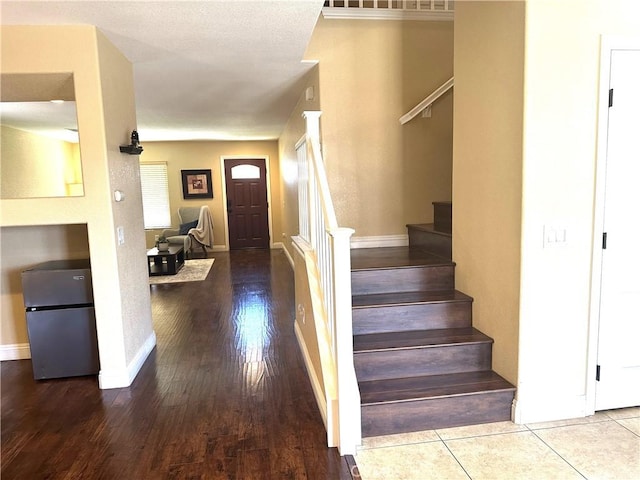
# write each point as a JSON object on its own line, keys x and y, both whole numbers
{"x": 247, "y": 202}
{"x": 614, "y": 355}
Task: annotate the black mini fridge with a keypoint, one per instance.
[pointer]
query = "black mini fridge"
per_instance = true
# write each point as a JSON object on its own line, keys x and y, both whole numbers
{"x": 58, "y": 297}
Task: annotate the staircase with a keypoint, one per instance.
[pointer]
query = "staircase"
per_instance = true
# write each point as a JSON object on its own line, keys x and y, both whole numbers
{"x": 419, "y": 362}
{"x": 434, "y": 237}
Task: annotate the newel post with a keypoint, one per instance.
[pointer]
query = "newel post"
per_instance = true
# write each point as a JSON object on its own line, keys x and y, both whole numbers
{"x": 348, "y": 393}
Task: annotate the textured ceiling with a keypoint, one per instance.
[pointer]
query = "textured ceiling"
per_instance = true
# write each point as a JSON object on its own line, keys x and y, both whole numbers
{"x": 221, "y": 70}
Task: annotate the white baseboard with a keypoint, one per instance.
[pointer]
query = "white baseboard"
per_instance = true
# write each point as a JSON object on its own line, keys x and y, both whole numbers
{"x": 289, "y": 257}
{"x": 548, "y": 407}
{"x": 316, "y": 386}
{"x": 380, "y": 241}
{"x": 16, "y": 351}
{"x": 124, "y": 377}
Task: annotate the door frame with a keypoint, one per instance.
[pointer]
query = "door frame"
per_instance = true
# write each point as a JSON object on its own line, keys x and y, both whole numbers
{"x": 224, "y": 194}
{"x": 608, "y": 43}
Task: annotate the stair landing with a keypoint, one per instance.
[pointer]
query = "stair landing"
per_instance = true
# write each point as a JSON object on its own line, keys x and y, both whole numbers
{"x": 394, "y": 257}
{"x": 429, "y": 238}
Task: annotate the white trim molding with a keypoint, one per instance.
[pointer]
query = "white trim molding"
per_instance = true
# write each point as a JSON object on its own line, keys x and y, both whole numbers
{"x": 341, "y": 13}
{"x": 289, "y": 257}
{"x": 124, "y": 377}
{"x": 15, "y": 351}
{"x": 547, "y": 406}
{"x": 380, "y": 241}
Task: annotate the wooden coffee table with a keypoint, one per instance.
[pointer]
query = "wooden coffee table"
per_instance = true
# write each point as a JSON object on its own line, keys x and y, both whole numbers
{"x": 165, "y": 263}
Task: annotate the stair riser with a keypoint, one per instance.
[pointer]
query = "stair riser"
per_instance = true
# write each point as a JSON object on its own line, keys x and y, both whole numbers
{"x": 435, "y": 360}
{"x": 442, "y": 217}
{"x": 445, "y": 412}
{"x": 431, "y": 242}
{"x": 413, "y": 279}
{"x": 396, "y": 318}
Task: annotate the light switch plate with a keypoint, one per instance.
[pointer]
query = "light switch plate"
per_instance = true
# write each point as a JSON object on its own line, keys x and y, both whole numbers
{"x": 554, "y": 236}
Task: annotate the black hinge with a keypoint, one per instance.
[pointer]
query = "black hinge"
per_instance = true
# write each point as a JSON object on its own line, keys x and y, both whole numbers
{"x": 597, "y": 373}
{"x": 604, "y": 241}
{"x": 611, "y": 97}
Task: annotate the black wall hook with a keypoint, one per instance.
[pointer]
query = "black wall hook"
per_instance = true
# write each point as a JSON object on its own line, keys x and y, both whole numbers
{"x": 135, "y": 148}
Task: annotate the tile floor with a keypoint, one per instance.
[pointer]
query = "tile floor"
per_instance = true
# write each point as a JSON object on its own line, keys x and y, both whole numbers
{"x": 603, "y": 446}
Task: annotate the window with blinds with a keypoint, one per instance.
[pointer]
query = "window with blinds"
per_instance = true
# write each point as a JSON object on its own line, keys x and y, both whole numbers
{"x": 155, "y": 195}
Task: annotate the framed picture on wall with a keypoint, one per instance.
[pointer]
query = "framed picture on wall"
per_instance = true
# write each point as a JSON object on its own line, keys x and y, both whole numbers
{"x": 196, "y": 184}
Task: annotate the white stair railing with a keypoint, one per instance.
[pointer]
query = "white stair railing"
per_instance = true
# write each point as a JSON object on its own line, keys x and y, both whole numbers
{"x": 331, "y": 246}
{"x": 390, "y": 9}
{"x": 392, "y": 4}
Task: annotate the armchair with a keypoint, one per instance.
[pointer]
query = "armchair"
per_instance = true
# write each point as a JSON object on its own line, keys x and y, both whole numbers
{"x": 196, "y": 227}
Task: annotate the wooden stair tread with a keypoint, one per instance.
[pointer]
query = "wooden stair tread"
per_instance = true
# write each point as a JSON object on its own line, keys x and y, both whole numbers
{"x": 431, "y": 386}
{"x": 372, "y": 342}
{"x": 419, "y": 362}
{"x": 393, "y": 257}
{"x": 428, "y": 227}
{"x": 408, "y": 298}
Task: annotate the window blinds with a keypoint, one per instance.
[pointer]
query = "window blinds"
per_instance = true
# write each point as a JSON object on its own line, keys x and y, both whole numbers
{"x": 155, "y": 195}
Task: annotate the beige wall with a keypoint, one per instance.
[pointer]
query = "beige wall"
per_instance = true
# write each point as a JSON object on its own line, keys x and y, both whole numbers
{"x": 487, "y": 168}
{"x": 427, "y": 143}
{"x": 305, "y": 320}
{"x": 371, "y": 73}
{"x": 21, "y": 248}
{"x": 292, "y": 133}
{"x": 103, "y": 82}
{"x": 123, "y": 173}
{"x": 381, "y": 175}
{"x": 207, "y": 155}
{"x": 36, "y": 166}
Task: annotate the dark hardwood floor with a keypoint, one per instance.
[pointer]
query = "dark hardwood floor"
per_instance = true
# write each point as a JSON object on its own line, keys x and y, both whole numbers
{"x": 224, "y": 395}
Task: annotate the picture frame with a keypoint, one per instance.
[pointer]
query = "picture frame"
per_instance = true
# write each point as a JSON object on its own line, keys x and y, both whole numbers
{"x": 196, "y": 184}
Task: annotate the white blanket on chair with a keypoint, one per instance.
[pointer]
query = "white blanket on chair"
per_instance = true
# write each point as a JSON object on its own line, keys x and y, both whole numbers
{"x": 203, "y": 233}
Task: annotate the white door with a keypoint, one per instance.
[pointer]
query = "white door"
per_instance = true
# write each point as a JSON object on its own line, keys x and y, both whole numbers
{"x": 619, "y": 323}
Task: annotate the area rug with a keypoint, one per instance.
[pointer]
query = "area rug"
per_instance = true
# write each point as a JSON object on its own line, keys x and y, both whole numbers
{"x": 193, "y": 271}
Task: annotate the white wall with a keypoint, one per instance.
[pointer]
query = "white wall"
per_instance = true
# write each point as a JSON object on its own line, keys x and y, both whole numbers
{"x": 559, "y": 153}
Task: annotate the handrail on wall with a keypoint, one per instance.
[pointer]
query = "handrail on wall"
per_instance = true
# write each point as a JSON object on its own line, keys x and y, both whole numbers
{"x": 427, "y": 102}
